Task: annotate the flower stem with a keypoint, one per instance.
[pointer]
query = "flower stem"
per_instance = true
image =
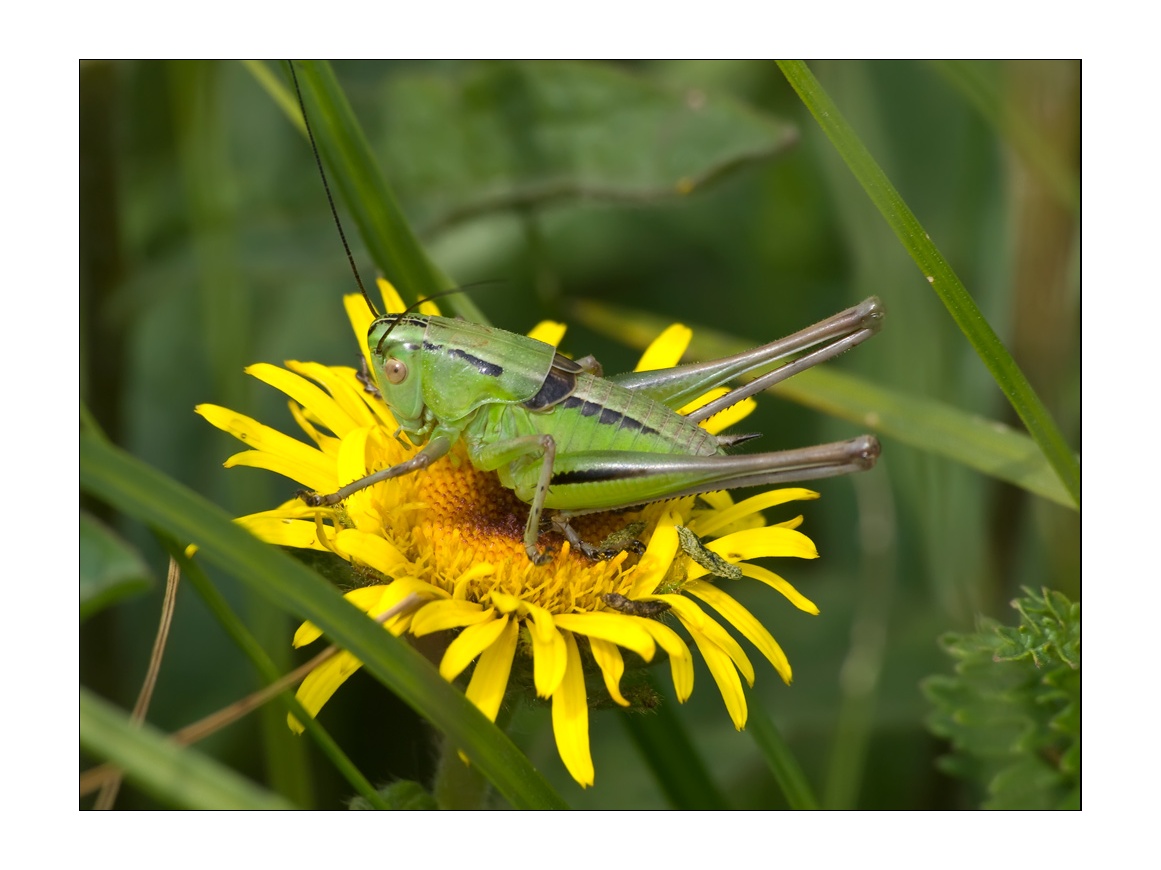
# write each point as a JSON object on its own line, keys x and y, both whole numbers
{"x": 459, "y": 785}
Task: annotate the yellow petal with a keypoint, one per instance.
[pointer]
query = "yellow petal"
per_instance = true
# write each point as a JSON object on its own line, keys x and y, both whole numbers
{"x": 775, "y": 582}
{"x": 745, "y": 622}
{"x": 765, "y": 541}
{"x": 680, "y": 658}
{"x": 570, "y": 718}
{"x": 311, "y": 397}
{"x": 724, "y": 418}
{"x": 282, "y": 531}
{"x": 392, "y": 301}
{"x": 695, "y": 619}
{"x": 321, "y": 683}
{"x": 395, "y": 592}
{"x": 608, "y": 659}
{"x": 448, "y": 614}
{"x": 549, "y": 655}
{"x": 373, "y": 550}
{"x": 725, "y": 675}
{"x": 506, "y": 603}
{"x": 365, "y": 598}
{"x": 711, "y": 522}
{"x": 463, "y": 582}
{"x": 548, "y": 331}
{"x": 342, "y": 386}
{"x": 719, "y": 500}
{"x": 666, "y": 350}
{"x": 657, "y": 558}
{"x": 328, "y": 444}
{"x": 618, "y": 628}
{"x": 351, "y": 463}
{"x": 470, "y": 642}
{"x": 361, "y": 319}
{"x": 352, "y": 466}
{"x": 263, "y": 438}
{"x": 490, "y": 678}
{"x": 727, "y": 417}
{"x": 310, "y": 476}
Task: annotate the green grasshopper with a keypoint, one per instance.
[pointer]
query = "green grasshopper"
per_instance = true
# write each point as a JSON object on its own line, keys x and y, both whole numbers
{"x": 566, "y": 439}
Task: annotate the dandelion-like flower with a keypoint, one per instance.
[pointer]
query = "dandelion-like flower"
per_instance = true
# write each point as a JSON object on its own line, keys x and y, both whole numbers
{"x": 452, "y": 536}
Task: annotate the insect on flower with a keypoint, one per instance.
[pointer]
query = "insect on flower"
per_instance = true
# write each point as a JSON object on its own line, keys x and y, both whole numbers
{"x": 566, "y": 439}
{"x": 505, "y": 424}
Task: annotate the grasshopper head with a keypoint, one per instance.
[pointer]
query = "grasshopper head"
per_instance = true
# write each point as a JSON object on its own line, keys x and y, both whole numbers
{"x": 396, "y": 345}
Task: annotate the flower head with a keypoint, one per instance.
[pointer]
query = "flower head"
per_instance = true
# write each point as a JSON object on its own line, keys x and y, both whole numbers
{"x": 452, "y": 536}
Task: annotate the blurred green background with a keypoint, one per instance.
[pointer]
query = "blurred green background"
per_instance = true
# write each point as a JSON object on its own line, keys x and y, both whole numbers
{"x": 206, "y": 244}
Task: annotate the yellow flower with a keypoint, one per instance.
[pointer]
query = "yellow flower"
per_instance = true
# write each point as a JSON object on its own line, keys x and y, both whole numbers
{"x": 452, "y": 535}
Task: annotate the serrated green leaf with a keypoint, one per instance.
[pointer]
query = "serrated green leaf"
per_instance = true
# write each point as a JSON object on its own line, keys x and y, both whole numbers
{"x": 110, "y": 569}
{"x": 1029, "y": 784}
{"x": 1013, "y": 720}
{"x": 401, "y": 795}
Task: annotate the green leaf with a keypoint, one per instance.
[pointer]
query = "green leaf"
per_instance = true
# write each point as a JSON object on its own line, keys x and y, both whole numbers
{"x": 939, "y": 274}
{"x": 1011, "y": 711}
{"x": 987, "y": 446}
{"x": 140, "y": 491}
{"x": 491, "y": 136}
{"x": 178, "y": 776}
{"x": 401, "y": 795}
{"x": 110, "y": 568}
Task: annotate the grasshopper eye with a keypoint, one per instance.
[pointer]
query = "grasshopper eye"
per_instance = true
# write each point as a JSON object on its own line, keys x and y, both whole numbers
{"x": 395, "y": 371}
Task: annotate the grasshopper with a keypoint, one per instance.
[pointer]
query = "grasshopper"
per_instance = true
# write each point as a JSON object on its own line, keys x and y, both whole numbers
{"x": 566, "y": 439}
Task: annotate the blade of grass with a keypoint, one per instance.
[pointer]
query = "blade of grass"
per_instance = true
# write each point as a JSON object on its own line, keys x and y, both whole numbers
{"x": 144, "y": 493}
{"x": 985, "y": 445}
{"x": 940, "y": 275}
{"x": 781, "y": 761}
{"x": 361, "y": 184}
{"x": 173, "y": 774}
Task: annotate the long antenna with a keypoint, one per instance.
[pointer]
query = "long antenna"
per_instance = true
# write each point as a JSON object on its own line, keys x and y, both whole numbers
{"x": 327, "y": 187}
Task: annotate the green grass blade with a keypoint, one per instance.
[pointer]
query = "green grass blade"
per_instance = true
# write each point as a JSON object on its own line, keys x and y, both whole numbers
{"x": 136, "y": 489}
{"x": 362, "y": 186}
{"x": 940, "y": 275}
{"x": 175, "y": 775}
{"x": 985, "y": 445}
{"x": 781, "y": 761}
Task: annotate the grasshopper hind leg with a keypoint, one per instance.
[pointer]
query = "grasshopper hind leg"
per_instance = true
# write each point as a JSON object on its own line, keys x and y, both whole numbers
{"x": 616, "y": 543}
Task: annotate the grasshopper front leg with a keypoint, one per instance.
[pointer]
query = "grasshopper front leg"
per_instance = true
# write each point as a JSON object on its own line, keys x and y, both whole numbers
{"x": 435, "y": 449}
